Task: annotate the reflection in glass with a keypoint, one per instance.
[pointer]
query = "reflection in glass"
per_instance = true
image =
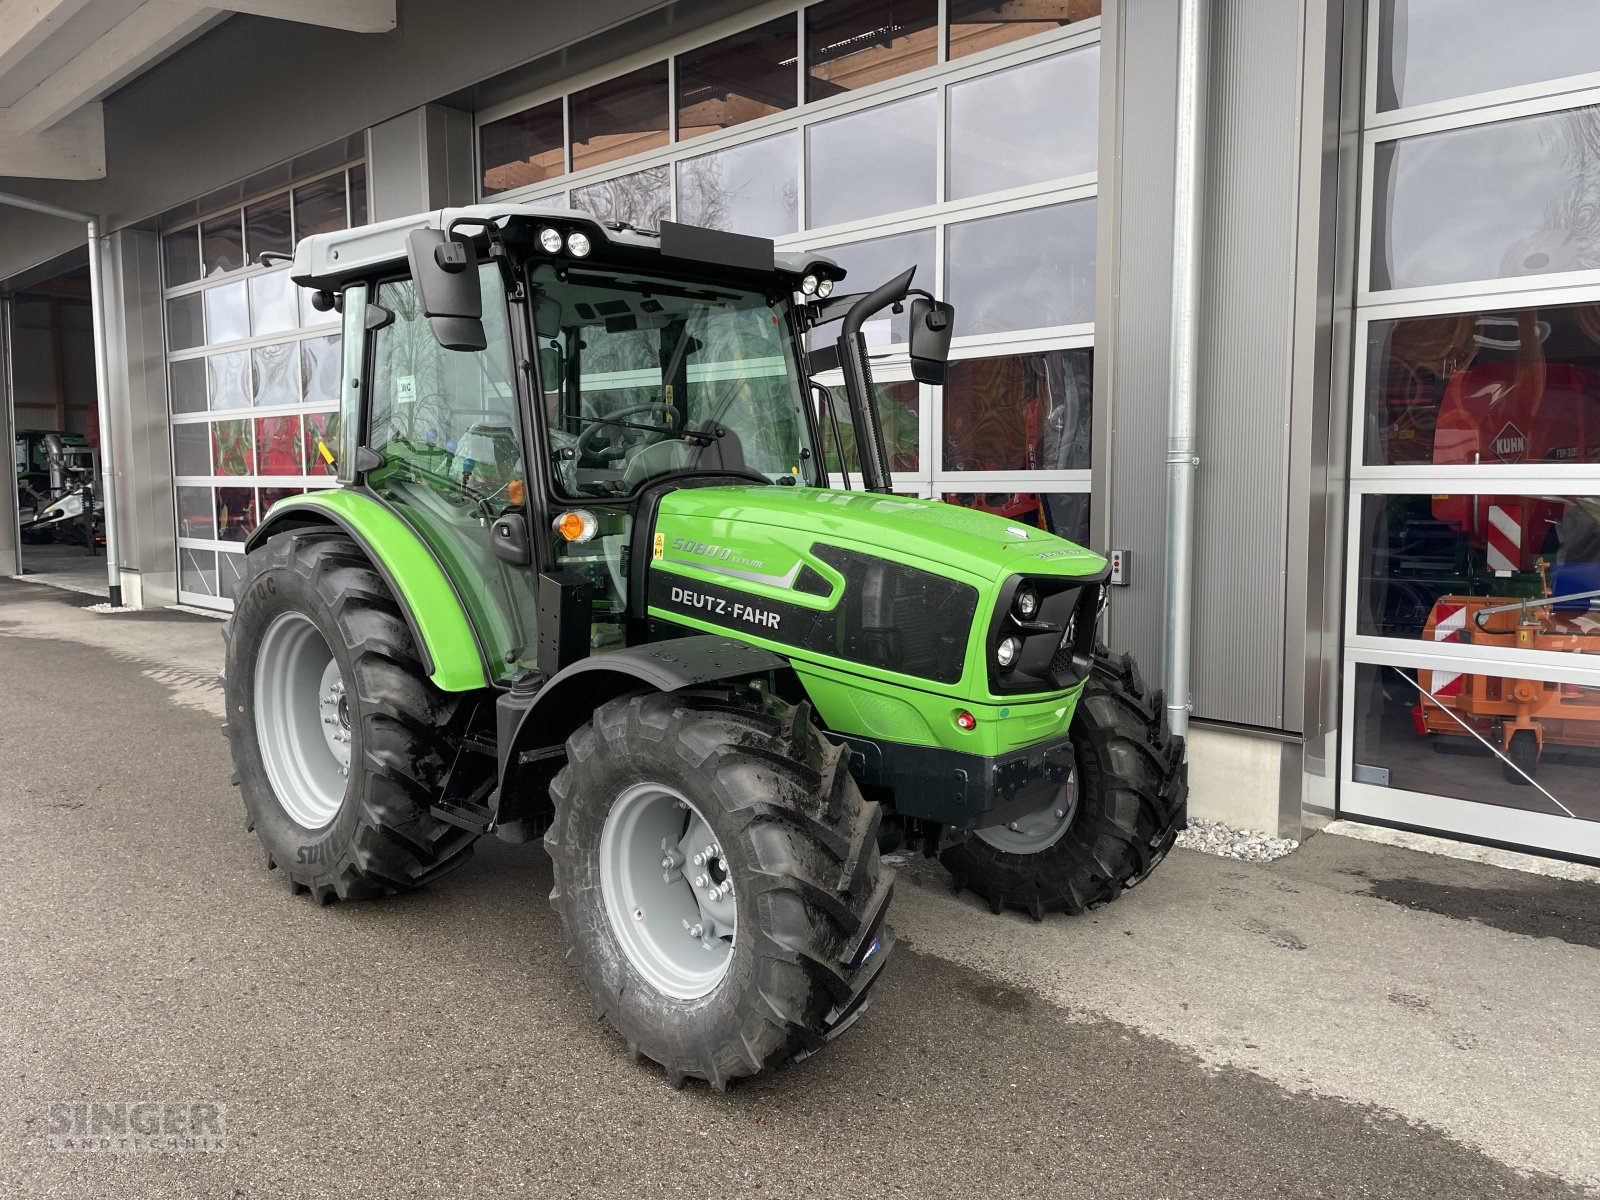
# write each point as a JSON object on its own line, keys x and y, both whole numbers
{"x": 643, "y": 199}
{"x": 870, "y": 162}
{"x": 196, "y": 518}
{"x": 278, "y": 446}
{"x": 188, "y": 385}
{"x": 1484, "y": 570}
{"x": 1492, "y": 739}
{"x": 227, "y": 313}
{"x": 523, "y": 148}
{"x": 1021, "y": 412}
{"x": 358, "y": 194}
{"x": 854, "y": 43}
{"x": 1024, "y": 270}
{"x": 197, "y": 571}
{"x": 231, "y": 448}
{"x": 230, "y": 573}
{"x": 266, "y": 227}
{"x": 899, "y": 403}
{"x": 185, "y": 325}
{"x": 191, "y": 449}
{"x": 272, "y": 303}
{"x": 275, "y": 375}
{"x": 1439, "y": 49}
{"x": 983, "y": 24}
{"x": 270, "y": 496}
{"x": 1025, "y": 124}
{"x": 222, "y": 244}
{"x": 1499, "y": 201}
{"x": 738, "y": 78}
{"x": 872, "y": 263}
{"x": 180, "y": 256}
{"x": 319, "y": 206}
{"x": 747, "y": 189}
{"x": 619, "y": 117}
{"x": 1505, "y": 386}
{"x": 320, "y": 369}
{"x": 230, "y": 380}
{"x": 1065, "y": 514}
{"x": 236, "y": 513}
{"x": 323, "y": 428}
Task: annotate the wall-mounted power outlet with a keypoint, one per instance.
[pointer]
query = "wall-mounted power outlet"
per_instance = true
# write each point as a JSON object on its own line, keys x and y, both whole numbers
{"x": 1119, "y": 568}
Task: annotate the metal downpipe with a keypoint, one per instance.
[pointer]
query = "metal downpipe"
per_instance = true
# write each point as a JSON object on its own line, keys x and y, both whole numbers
{"x": 1182, "y": 460}
{"x": 102, "y": 382}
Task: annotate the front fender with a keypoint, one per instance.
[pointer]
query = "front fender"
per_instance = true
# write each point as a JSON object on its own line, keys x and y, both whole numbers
{"x": 428, "y": 601}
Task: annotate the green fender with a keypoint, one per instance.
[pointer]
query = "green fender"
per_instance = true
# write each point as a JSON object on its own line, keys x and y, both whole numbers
{"x": 430, "y": 604}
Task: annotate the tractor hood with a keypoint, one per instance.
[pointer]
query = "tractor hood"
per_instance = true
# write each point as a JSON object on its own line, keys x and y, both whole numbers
{"x": 764, "y": 533}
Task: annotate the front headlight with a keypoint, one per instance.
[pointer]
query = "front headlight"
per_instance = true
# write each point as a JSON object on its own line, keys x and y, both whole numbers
{"x": 550, "y": 240}
{"x": 1006, "y": 652}
{"x": 1027, "y": 604}
{"x": 578, "y": 244}
{"x": 808, "y": 285}
{"x": 825, "y": 288}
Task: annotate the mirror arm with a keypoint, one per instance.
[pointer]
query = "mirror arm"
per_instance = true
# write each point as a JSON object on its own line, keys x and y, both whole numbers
{"x": 858, "y": 384}
{"x": 497, "y": 251}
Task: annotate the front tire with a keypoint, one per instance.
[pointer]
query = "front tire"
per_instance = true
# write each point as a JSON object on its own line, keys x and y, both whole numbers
{"x": 720, "y": 988}
{"x": 1115, "y": 821}
{"x": 340, "y": 743}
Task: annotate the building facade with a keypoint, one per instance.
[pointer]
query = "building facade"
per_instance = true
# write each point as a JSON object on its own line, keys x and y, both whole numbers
{"x": 1399, "y": 404}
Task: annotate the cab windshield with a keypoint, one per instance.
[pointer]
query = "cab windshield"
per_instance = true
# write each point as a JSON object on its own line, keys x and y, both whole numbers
{"x": 645, "y": 377}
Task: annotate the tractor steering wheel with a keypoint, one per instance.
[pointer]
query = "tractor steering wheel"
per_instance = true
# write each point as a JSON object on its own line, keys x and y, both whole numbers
{"x": 587, "y": 440}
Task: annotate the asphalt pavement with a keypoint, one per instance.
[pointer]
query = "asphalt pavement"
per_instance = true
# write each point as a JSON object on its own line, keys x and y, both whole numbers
{"x": 1352, "y": 1021}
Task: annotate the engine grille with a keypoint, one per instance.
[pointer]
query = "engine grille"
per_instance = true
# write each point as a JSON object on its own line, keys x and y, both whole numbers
{"x": 900, "y": 618}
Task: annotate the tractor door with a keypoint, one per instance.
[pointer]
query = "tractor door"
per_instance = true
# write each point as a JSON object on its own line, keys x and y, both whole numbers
{"x": 448, "y": 426}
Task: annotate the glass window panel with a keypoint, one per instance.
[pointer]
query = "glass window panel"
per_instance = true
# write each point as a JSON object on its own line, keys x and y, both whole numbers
{"x": 320, "y": 375}
{"x": 266, "y": 227}
{"x": 1023, "y": 270}
{"x": 871, "y": 162}
{"x": 278, "y": 446}
{"x": 188, "y": 385}
{"x": 1439, "y": 49}
{"x": 319, "y": 206}
{"x": 1432, "y": 564}
{"x": 523, "y": 148}
{"x": 643, "y": 199}
{"x": 270, "y": 496}
{"x": 197, "y": 517}
{"x": 855, "y": 43}
{"x": 230, "y": 573}
{"x": 231, "y": 448}
{"x": 185, "y": 324}
{"x": 1065, "y": 514}
{"x": 227, "y": 312}
{"x": 320, "y": 427}
{"x": 1489, "y": 388}
{"x": 1025, "y": 125}
{"x": 619, "y": 117}
{"x": 180, "y": 255}
{"x": 222, "y": 244}
{"x": 1020, "y": 412}
{"x": 1508, "y": 199}
{"x": 236, "y": 513}
{"x": 875, "y": 262}
{"x": 310, "y": 315}
{"x": 1407, "y": 741}
{"x": 275, "y": 374}
{"x": 197, "y": 571}
{"x": 191, "y": 449}
{"x": 747, "y": 189}
{"x": 272, "y": 303}
{"x": 983, "y": 24}
{"x": 230, "y": 380}
{"x": 899, "y": 403}
{"x": 738, "y": 78}
{"x": 358, "y": 194}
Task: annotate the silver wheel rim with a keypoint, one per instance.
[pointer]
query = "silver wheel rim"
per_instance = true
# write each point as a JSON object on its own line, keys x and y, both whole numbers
{"x": 1040, "y": 829}
{"x": 302, "y": 720}
{"x": 667, "y": 891}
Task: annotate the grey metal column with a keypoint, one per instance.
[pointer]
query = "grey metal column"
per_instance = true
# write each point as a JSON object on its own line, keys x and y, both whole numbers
{"x": 108, "y": 493}
{"x": 1182, "y": 461}
{"x": 10, "y": 517}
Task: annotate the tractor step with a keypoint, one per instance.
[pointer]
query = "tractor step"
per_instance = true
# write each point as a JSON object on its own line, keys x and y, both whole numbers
{"x": 474, "y": 818}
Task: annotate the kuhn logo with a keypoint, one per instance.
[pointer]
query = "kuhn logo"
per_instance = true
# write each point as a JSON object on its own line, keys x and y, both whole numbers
{"x": 1510, "y": 444}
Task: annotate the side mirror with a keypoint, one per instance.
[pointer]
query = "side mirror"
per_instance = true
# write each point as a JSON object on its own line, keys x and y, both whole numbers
{"x": 551, "y": 368}
{"x": 446, "y": 274}
{"x": 932, "y": 322}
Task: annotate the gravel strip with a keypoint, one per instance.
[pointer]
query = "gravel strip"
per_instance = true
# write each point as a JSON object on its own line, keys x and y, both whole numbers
{"x": 1250, "y": 845}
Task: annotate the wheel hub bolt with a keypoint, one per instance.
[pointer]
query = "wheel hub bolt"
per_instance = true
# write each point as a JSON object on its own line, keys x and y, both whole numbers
{"x": 1060, "y": 812}
{"x": 700, "y": 881}
{"x": 696, "y": 931}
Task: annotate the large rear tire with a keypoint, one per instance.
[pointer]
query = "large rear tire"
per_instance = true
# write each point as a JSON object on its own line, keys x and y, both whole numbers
{"x": 717, "y": 873}
{"x": 340, "y": 743}
{"x": 1115, "y": 820}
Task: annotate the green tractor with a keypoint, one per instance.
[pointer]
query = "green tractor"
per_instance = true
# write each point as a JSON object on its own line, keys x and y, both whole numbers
{"x": 584, "y": 579}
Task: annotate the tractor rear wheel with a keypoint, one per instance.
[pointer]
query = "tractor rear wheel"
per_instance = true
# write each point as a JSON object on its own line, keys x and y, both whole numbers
{"x": 717, "y": 873}
{"x": 1112, "y": 823}
{"x": 339, "y": 740}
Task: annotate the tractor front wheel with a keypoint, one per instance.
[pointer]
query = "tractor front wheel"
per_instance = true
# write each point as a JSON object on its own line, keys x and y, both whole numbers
{"x": 717, "y": 872}
{"x": 1112, "y": 823}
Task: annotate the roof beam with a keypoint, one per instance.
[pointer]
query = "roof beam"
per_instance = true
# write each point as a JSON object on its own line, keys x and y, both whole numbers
{"x": 73, "y": 148}
{"x": 356, "y": 16}
{"x": 24, "y": 24}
